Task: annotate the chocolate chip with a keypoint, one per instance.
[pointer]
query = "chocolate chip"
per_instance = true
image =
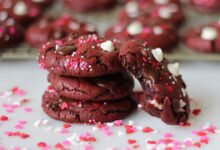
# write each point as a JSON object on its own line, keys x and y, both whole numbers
{"x": 66, "y": 50}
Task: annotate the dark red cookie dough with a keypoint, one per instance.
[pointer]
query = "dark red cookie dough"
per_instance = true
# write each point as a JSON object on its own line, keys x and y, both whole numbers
{"x": 156, "y": 35}
{"x": 160, "y": 11}
{"x": 165, "y": 94}
{"x": 23, "y": 11}
{"x": 71, "y": 111}
{"x": 106, "y": 88}
{"x": 49, "y": 28}
{"x": 10, "y": 31}
{"x": 204, "y": 38}
{"x": 85, "y": 56}
{"x": 206, "y": 5}
{"x": 89, "y": 5}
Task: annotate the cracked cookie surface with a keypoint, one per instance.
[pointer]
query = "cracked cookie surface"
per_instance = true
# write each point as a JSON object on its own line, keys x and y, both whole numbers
{"x": 84, "y": 56}
{"x": 205, "y": 38}
{"x": 105, "y": 88}
{"x": 165, "y": 92}
{"x": 71, "y": 111}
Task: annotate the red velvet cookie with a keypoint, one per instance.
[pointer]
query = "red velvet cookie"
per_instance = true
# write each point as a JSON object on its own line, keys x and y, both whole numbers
{"x": 23, "y": 11}
{"x": 165, "y": 91}
{"x": 71, "y": 111}
{"x": 89, "y": 5}
{"x": 10, "y": 31}
{"x": 156, "y": 35}
{"x": 86, "y": 56}
{"x": 105, "y": 88}
{"x": 160, "y": 11}
{"x": 204, "y": 38}
{"x": 206, "y": 5}
{"x": 48, "y": 28}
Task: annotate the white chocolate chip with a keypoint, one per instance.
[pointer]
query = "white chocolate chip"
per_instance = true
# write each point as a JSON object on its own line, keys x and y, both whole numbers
{"x": 20, "y": 8}
{"x": 209, "y": 33}
{"x": 158, "y": 54}
{"x": 182, "y": 103}
{"x": 90, "y": 28}
{"x": 157, "y": 30}
{"x": 74, "y": 26}
{"x": 174, "y": 69}
{"x": 3, "y": 15}
{"x": 131, "y": 8}
{"x": 161, "y": 2}
{"x": 107, "y": 46}
{"x": 167, "y": 11}
{"x": 184, "y": 92}
{"x": 117, "y": 28}
{"x": 135, "y": 28}
{"x": 156, "y": 104}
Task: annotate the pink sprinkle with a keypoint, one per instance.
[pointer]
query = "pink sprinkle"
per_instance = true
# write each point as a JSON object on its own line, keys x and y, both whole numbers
{"x": 16, "y": 148}
{"x": 66, "y": 142}
{"x": 59, "y": 42}
{"x": 168, "y": 135}
{"x": 27, "y": 109}
{"x": 64, "y": 131}
{"x": 14, "y": 106}
{"x": 9, "y": 110}
{"x": 18, "y": 126}
{"x": 118, "y": 123}
{"x": 188, "y": 143}
{"x": 17, "y": 91}
{"x": 22, "y": 122}
{"x": 88, "y": 147}
{"x": 106, "y": 131}
{"x": 210, "y": 129}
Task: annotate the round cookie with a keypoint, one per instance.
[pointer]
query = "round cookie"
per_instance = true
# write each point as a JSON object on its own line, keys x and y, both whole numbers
{"x": 204, "y": 38}
{"x": 23, "y": 11}
{"x": 160, "y": 11}
{"x": 10, "y": 31}
{"x": 165, "y": 91}
{"x": 85, "y": 56}
{"x": 89, "y": 5}
{"x": 49, "y": 28}
{"x": 71, "y": 111}
{"x": 105, "y": 88}
{"x": 206, "y": 5}
{"x": 156, "y": 35}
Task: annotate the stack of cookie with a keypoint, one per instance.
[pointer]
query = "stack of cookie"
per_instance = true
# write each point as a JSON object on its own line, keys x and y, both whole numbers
{"x": 88, "y": 84}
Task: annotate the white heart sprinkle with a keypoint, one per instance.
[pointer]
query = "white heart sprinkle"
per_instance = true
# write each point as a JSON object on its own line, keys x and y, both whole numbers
{"x": 184, "y": 92}
{"x": 167, "y": 11}
{"x": 157, "y": 30}
{"x": 20, "y": 8}
{"x": 156, "y": 104}
{"x": 182, "y": 103}
{"x": 209, "y": 33}
{"x": 158, "y": 54}
{"x": 107, "y": 46}
{"x": 174, "y": 69}
{"x": 135, "y": 28}
{"x": 131, "y": 8}
{"x": 74, "y": 25}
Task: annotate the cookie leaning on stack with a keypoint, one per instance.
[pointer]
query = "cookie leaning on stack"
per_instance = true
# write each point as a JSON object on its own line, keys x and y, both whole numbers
{"x": 88, "y": 82}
